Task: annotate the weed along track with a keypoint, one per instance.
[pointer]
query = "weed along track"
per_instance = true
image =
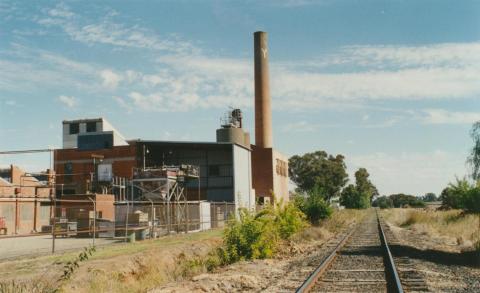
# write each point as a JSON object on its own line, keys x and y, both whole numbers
{"x": 362, "y": 262}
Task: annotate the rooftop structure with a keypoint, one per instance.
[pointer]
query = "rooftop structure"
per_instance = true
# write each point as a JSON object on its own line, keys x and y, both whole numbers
{"x": 90, "y": 134}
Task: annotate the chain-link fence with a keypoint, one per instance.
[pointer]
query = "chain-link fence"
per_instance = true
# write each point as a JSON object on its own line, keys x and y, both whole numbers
{"x": 73, "y": 224}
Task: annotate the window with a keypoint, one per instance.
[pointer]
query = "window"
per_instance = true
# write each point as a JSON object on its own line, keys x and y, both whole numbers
{"x": 213, "y": 170}
{"x": 91, "y": 126}
{"x": 74, "y": 128}
{"x": 281, "y": 168}
{"x": 68, "y": 170}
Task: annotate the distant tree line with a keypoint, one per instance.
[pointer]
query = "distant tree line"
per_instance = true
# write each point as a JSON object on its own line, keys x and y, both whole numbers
{"x": 321, "y": 177}
{"x": 399, "y": 200}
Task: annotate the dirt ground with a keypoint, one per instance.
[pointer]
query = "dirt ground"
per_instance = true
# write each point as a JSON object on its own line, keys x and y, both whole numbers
{"x": 284, "y": 273}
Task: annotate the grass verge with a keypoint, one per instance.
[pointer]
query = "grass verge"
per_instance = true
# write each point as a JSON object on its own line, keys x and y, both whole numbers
{"x": 463, "y": 227}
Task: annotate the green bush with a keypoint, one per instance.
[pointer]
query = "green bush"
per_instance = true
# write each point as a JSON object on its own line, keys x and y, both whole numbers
{"x": 289, "y": 220}
{"x": 252, "y": 236}
{"x": 471, "y": 200}
{"x": 313, "y": 206}
{"x": 462, "y": 195}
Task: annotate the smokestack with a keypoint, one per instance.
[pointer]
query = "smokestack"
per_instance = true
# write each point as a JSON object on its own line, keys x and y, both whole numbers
{"x": 263, "y": 112}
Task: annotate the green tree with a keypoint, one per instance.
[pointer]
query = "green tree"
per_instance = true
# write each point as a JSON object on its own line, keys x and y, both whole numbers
{"x": 428, "y": 197}
{"x": 474, "y": 158}
{"x": 359, "y": 196}
{"x": 352, "y": 198}
{"x": 318, "y": 169}
{"x": 383, "y": 202}
{"x": 401, "y": 200}
{"x": 364, "y": 185}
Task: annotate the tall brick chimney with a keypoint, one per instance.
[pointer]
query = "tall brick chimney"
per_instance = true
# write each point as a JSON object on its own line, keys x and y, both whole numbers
{"x": 263, "y": 112}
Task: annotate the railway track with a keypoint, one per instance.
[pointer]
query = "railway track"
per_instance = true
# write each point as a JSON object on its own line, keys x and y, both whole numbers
{"x": 362, "y": 262}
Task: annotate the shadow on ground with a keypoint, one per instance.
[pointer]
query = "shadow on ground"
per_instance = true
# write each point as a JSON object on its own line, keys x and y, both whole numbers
{"x": 467, "y": 258}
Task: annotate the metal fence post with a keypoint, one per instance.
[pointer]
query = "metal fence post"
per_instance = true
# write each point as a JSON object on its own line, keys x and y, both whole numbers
{"x": 53, "y": 224}
{"x": 152, "y": 217}
{"x": 126, "y": 222}
{"x": 225, "y": 215}
{"x": 94, "y": 218}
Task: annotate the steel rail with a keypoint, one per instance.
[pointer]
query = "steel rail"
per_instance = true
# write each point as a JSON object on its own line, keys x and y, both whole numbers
{"x": 392, "y": 269}
{"x": 312, "y": 279}
{"x": 310, "y": 282}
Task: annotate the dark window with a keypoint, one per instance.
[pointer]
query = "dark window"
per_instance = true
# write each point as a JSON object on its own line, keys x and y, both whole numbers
{"x": 213, "y": 170}
{"x": 74, "y": 128}
{"x": 91, "y": 126}
{"x": 68, "y": 170}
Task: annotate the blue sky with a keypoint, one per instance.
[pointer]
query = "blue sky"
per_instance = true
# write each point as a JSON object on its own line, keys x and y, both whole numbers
{"x": 392, "y": 85}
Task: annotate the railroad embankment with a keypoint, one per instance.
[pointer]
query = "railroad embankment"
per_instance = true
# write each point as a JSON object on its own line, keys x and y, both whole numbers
{"x": 451, "y": 230}
{"x": 441, "y": 245}
{"x": 283, "y": 272}
{"x": 132, "y": 267}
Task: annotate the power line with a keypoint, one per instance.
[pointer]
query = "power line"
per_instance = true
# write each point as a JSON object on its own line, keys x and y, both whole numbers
{"x": 26, "y": 151}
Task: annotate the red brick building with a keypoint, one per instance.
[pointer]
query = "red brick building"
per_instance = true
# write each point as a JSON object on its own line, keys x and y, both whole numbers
{"x": 25, "y": 201}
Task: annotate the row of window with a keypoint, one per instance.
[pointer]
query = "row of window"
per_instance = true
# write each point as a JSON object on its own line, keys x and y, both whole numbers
{"x": 74, "y": 128}
{"x": 281, "y": 167}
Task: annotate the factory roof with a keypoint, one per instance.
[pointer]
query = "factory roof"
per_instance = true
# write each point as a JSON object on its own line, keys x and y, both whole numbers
{"x": 83, "y": 120}
{"x": 186, "y": 142}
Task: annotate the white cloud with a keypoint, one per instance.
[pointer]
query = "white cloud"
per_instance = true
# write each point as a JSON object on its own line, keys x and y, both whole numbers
{"x": 68, "y": 101}
{"x": 110, "y": 78}
{"x": 440, "y": 116}
{"x": 314, "y": 90}
{"x": 414, "y": 173}
{"x": 26, "y": 70}
{"x": 300, "y": 126}
{"x": 158, "y": 102}
{"x": 106, "y": 31}
{"x": 354, "y": 76}
{"x": 446, "y": 54}
{"x": 123, "y": 104}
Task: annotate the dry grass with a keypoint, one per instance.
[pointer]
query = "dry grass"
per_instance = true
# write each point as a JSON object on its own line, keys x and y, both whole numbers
{"x": 465, "y": 228}
{"x": 134, "y": 267}
{"x": 339, "y": 220}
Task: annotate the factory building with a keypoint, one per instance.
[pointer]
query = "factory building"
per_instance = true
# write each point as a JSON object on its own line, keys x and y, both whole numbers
{"x": 230, "y": 169}
{"x": 25, "y": 200}
{"x": 224, "y": 166}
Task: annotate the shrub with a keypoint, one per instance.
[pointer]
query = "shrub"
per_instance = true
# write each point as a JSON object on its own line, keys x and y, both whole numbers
{"x": 313, "y": 206}
{"x": 462, "y": 195}
{"x": 289, "y": 220}
{"x": 257, "y": 236}
{"x": 471, "y": 200}
{"x": 247, "y": 238}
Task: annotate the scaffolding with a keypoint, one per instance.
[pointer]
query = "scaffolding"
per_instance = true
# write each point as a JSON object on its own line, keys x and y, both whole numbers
{"x": 166, "y": 184}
